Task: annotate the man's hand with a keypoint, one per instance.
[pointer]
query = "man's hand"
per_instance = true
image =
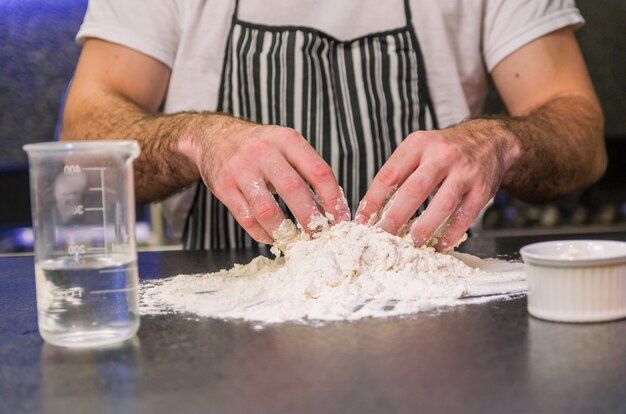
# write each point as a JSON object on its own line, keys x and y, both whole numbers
{"x": 463, "y": 164}
{"x": 551, "y": 145}
{"x": 243, "y": 163}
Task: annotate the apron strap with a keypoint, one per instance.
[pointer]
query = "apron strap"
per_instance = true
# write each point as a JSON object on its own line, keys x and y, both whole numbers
{"x": 236, "y": 12}
{"x": 407, "y": 13}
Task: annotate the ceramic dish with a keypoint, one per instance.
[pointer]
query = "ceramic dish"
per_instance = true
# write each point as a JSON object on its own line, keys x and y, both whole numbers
{"x": 576, "y": 280}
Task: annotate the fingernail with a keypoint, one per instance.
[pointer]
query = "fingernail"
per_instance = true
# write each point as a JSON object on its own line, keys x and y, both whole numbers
{"x": 442, "y": 245}
{"x": 344, "y": 216}
{"x": 360, "y": 219}
{"x": 419, "y": 241}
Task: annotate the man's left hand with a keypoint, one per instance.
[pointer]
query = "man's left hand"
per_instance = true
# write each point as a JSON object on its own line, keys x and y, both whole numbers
{"x": 461, "y": 166}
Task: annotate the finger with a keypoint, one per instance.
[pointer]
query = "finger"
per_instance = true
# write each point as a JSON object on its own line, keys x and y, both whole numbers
{"x": 443, "y": 204}
{"x": 461, "y": 219}
{"x": 369, "y": 211}
{"x": 342, "y": 209}
{"x": 291, "y": 187}
{"x": 312, "y": 167}
{"x": 410, "y": 196}
{"x": 236, "y": 203}
{"x": 263, "y": 206}
{"x": 392, "y": 174}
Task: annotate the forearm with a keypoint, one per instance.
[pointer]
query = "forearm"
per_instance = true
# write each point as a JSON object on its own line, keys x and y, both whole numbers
{"x": 161, "y": 169}
{"x": 560, "y": 148}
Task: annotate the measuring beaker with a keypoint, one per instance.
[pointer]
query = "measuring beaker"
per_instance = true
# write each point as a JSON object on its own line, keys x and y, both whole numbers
{"x": 83, "y": 209}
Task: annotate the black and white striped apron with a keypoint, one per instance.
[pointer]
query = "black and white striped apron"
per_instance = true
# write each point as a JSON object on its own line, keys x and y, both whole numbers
{"x": 355, "y": 101}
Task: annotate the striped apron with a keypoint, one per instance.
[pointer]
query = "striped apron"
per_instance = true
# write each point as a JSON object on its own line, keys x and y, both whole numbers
{"x": 355, "y": 101}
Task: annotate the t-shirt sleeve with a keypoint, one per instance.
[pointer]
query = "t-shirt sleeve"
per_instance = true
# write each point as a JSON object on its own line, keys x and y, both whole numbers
{"x": 511, "y": 24}
{"x": 150, "y": 27}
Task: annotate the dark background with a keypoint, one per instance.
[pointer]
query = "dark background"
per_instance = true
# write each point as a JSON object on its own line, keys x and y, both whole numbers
{"x": 38, "y": 55}
{"x": 37, "y": 58}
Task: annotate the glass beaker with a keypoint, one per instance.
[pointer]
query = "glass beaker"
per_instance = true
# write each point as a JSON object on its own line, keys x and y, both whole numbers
{"x": 83, "y": 208}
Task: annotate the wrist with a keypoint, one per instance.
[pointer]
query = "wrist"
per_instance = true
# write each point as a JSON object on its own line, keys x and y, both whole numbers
{"x": 499, "y": 133}
{"x": 186, "y": 145}
{"x": 204, "y": 135}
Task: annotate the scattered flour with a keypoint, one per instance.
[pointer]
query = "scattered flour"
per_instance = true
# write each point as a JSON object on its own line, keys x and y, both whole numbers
{"x": 346, "y": 271}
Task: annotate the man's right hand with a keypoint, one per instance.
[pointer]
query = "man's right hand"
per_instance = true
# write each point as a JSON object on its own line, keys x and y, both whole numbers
{"x": 243, "y": 163}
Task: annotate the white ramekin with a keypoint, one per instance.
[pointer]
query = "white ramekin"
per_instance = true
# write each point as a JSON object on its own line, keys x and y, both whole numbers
{"x": 576, "y": 280}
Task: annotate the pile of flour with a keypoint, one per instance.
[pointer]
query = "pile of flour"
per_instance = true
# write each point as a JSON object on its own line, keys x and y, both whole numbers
{"x": 344, "y": 272}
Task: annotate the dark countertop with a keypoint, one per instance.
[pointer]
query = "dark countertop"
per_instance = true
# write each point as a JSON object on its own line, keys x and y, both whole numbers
{"x": 488, "y": 358}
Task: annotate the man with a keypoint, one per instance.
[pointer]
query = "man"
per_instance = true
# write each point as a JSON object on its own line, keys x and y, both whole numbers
{"x": 367, "y": 83}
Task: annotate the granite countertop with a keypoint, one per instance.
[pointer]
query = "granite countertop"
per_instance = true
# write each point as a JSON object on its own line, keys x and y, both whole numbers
{"x": 485, "y": 358}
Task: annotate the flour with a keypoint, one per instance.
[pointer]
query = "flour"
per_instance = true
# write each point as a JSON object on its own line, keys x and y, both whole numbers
{"x": 346, "y": 271}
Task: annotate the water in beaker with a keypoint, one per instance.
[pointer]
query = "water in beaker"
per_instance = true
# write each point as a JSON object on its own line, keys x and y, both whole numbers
{"x": 83, "y": 208}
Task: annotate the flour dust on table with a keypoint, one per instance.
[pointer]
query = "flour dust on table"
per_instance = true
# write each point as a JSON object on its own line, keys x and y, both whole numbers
{"x": 345, "y": 271}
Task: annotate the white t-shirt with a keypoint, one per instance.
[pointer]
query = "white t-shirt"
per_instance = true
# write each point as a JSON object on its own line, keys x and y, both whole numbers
{"x": 461, "y": 40}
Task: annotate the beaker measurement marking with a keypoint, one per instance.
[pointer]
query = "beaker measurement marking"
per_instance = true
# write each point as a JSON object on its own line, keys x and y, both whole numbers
{"x": 120, "y": 247}
{"x": 79, "y": 209}
{"x": 102, "y": 208}
{"x": 129, "y": 269}
{"x": 104, "y": 216}
{"x": 72, "y": 169}
{"x": 98, "y": 292}
{"x": 95, "y": 249}
{"x": 76, "y": 249}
